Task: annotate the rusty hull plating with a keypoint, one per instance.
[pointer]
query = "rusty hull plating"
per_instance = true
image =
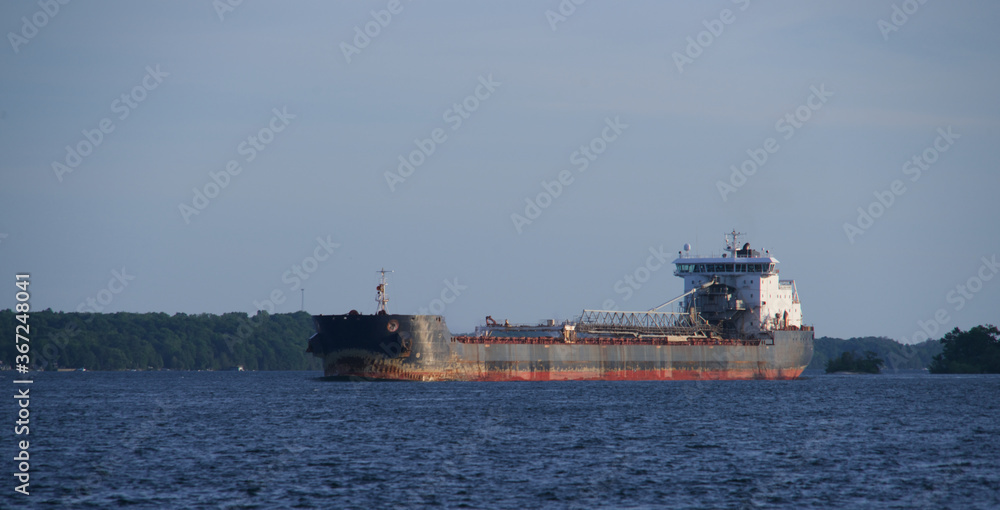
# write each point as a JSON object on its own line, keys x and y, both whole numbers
{"x": 420, "y": 348}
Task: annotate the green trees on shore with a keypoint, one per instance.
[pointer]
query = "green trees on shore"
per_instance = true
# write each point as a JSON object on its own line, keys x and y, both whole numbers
{"x": 897, "y": 356}
{"x": 153, "y": 341}
{"x": 976, "y": 351}
{"x": 960, "y": 352}
{"x": 850, "y": 362}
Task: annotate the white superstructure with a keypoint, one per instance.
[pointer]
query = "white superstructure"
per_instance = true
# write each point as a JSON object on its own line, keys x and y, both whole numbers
{"x": 740, "y": 288}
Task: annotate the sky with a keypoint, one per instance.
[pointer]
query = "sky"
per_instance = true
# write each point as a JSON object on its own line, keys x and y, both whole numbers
{"x": 524, "y": 160}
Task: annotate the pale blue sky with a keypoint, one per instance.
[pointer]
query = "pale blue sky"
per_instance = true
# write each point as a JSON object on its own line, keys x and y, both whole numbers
{"x": 323, "y": 175}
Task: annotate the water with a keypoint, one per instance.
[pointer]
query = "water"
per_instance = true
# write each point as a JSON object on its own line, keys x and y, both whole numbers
{"x": 288, "y": 440}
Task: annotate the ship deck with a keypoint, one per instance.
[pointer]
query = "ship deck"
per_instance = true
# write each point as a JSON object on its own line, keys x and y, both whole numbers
{"x": 609, "y": 341}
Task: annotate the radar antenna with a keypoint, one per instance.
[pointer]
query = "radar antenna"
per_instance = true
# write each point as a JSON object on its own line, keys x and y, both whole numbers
{"x": 732, "y": 246}
{"x": 381, "y": 296}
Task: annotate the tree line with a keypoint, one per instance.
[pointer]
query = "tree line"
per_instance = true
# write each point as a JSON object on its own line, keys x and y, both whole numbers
{"x": 976, "y": 351}
{"x": 155, "y": 341}
{"x": 896, "y": 356}
{"x": 870, "y": 363}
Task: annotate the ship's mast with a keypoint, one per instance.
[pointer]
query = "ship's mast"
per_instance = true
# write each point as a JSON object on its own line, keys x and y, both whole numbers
{"x": 733, "y": 246}
{"x": 381, "y": 296}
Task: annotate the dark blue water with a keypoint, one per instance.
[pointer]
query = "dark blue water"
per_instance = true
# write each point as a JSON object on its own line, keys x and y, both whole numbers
{"x": 288, "y": 440}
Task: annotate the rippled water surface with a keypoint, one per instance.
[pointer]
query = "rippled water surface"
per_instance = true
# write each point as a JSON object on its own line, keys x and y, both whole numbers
{"x": 290, "y": 440}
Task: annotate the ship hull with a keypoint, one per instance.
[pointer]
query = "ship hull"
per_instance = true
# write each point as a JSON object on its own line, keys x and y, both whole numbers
{"x": 420, "y": 347}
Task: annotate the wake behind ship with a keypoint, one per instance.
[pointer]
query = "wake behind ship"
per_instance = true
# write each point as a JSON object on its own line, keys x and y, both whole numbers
{"x": 736, "y": 320}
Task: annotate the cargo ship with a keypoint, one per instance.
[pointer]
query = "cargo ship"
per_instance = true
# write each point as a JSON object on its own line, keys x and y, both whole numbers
{"x": 735, "y": 320}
